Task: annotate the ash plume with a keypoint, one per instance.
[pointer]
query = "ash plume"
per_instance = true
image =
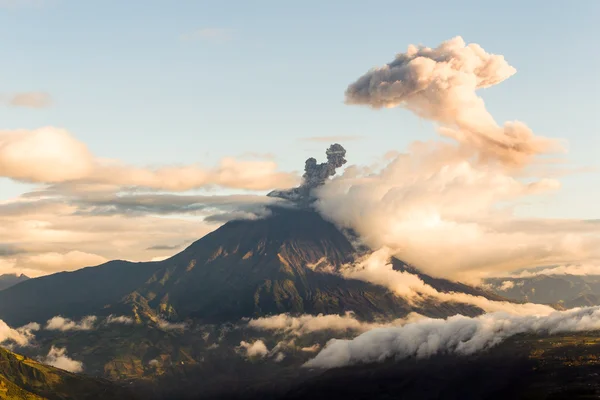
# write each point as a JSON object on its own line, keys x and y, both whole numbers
{"x": 315, "y": 175}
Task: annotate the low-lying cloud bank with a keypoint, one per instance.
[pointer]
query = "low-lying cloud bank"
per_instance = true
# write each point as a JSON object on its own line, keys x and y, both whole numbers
{"x": 306, "y": 324}
{"x": 458, "y": 334}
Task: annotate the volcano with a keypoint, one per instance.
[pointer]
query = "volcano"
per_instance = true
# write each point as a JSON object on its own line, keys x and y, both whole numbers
{"x": 246, "y": 268}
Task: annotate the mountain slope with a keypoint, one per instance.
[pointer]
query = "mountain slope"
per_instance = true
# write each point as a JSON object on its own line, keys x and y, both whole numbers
{"x": 24, "y": 378}
{"x": 8, "y": 280}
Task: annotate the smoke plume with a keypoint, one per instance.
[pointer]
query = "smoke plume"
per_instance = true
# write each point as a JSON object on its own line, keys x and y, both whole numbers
{"x": 440, "y": 84}
{"x": 448, "y": 207}
{"x": 315, "y": 175}
{"x": 457, "y": 334}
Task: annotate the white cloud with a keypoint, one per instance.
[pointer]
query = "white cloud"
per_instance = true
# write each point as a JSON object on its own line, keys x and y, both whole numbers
{"x": 21, "y": 336}
{"x": 52, "y": 155}
{"x": 457, "y": 334}
{"x": 448, "y": 207}
{"x": 59, "y": 323}
{"x": 254, "y": 349}
{"x": 57, "y": 357}
{"x": 305, "y": 324}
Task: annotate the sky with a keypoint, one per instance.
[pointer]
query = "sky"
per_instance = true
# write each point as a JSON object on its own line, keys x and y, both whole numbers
{"x": 189, "y": 83}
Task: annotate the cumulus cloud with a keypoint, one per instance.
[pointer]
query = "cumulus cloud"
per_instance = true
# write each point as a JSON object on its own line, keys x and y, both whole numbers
{"x": 21, "y": 336}
{"x": 30, "y": 100}
{"x": 59, "y": 323}
{"x": 457, "y": 334}
{"x": 57, "y": 357}
{"x": 52, "y": 155}
{"x": 255, "y": 349}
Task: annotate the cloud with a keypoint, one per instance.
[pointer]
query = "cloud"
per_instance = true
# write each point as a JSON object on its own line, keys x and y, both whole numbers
{"x": 51, "y": 155}
{"x": 311, "y": 349}
{"x": 306, "y": 324}
{"x": 213, "y": 35}
{"x": 7, "y": 250}
{"x": 122, "y": 319}
{"x": 452, "y": 216}
{"x": 46, "y": 235}
{"x": 331, "y": 139}
{"x": 448, "y": 208}
{"x": 255, "y": 349}
{"x": 458, "y": 334}
{"x": 55, "y": 262}
{"x": 20, "y": 336}
{"x": 577, "y": 270}
{"x": 377, "y": 269}
{"x": 30, "y": 100}
{"x": 62, "y": 324}
{"x": 440, "y": 84}
{"x": 506, "y": 285}
{"x": 57, "y": 357}
{"x": 170, "y": 326}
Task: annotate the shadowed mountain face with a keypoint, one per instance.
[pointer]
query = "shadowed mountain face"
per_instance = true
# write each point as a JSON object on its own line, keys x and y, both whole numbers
{"x": 243, "y": 269}
{"x": 24, "y": 378}
{"x": 8, "y": 280}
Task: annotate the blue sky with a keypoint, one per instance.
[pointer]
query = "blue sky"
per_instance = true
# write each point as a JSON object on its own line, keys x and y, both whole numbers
{"x": 128, "y": 82}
